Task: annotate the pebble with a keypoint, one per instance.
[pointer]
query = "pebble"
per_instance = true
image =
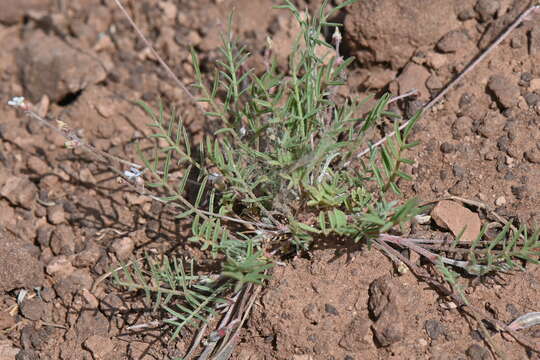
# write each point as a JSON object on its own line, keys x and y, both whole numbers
{"x": 37, "y": 165}
{"x": 70, "y": 285}
{"x": 458, "y": 171}
{"x": 101, "y": 347}
{"x": 331, "y": 309}
{"x": 56, "y": 214}
{"x": 59, "y": 267}
{"x": 486, "y": 9}
{"x": 533, "y": 156}
{"x": 500, "y": 201}
{"x": 89, "y": 256}
{"x": 6, "y": 320}
{"x": 447, "y": 148}
{"x": 452, "y": 41}
{"x": 519, "y": 192}
{"x": 434, "y": 329}
{"x": 356, "y": 336}
{"x": 534, "y": 84}
{"x": 33, "y": 308}
{"x": 477, "y": 352}
{"x": 19, "y": 190}
{"x": 123, "y": 248}
{"x": 534, "y": 42}
{"x": 505, "y": 92}
{"x": 532, "y": 99}
{"x": 63, "y": 240}
{"x": 448, "y": 305}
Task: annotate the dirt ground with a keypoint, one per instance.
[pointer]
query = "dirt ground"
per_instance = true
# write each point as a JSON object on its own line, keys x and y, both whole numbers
{"x": 65, "y": 221}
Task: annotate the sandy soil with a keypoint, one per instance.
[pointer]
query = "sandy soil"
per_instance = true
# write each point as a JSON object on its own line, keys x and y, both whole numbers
{"x": 66, "y": 220}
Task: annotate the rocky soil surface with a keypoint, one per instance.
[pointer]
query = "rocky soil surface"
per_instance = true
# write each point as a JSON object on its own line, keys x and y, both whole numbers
{"x": 66, "y": 220}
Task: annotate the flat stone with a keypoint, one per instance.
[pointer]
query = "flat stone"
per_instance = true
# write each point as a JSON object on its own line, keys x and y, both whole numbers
{"x": 454, "y": 217}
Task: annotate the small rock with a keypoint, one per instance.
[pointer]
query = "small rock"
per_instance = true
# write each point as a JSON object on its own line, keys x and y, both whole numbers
{"x": 466, "y": 14}
{"x": 459, "y": 188}
{"x": 63, "y": 240}
{"x": 48, "y": 294}
{"x": 505, "y": 92}
{"x": 422, "y": 219}
{"x": 532, "y": 99}
{"x": 477, "y": 352}
{"x": 37, "y": 165}
{"x": 123, "y": 248}
{"x": 60, "y": 267}
{"x": 452, "y": 41}
{"x": 10, "y": 352}
{"x": 100, "y": 346}
{"x": 56, "y": 214}
{"x": 90, "y": 323}
{"x": 458, "y": 171}
{"x": 434, "y": 329}
{"x": 139, "y": 350}
{"x": 380, "y": 295}
{"x": 50, "y": 66}
{"x": 6, "y": 320}
{"x": 90, "y": 300}
{"x": 356, "y": 336}
{"x": 453, "y": 216}
{"x": 534, "y": 85}
{"x": 25, "y": 354}
{"x": 414, "y": 76}
{"x": 89, "y": 256}
{"x": 169, "y": 10}
{"x": 112, "y": 304}
{"x": 32, "y": 309}
{"x": 331, "y": 309}
{"x": 86, "y": 176}
{"x": 462, "y": 127}
{"x": 19, "y": 190}
{"x": 500, "y": 201}
{"x": 11, "y": 13}
{"x": 44, "y": 235}
{"x": 534, "y": 42}
{"x": 520, "y": 192}
{"x": 68, "y": 286}
{"x": 436, "y": 60}
{"x": 311, "y": 313}
{"x": 526, "y": 77}
{"x": 447, "y": 148}
{"x": 533, "y": 156}
{"x": 389, "y": 327}
{"x": 18, "y": 267}
{"x": 302, "y": 357}
{"x": 433, "y": 83}
{"x": 448, "y": 305}
{"x": 486, "y": 9}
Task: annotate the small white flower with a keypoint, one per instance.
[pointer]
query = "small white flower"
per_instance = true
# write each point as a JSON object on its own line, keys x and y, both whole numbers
{"x": 243, "y": 131}
{"x": 214, "y": 177}
{"x": 17, "y": 101}
{"x": 133, "y": 173}
{"x": 336, "y": 36}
